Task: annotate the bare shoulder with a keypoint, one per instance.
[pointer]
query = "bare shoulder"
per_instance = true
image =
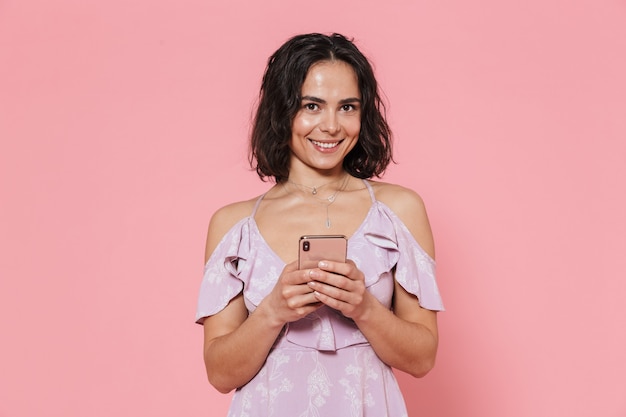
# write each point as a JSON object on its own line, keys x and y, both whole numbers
{"x": 224, "y": 219}
{"x": 409, "y": 206}
{"x": 398, "y": 198}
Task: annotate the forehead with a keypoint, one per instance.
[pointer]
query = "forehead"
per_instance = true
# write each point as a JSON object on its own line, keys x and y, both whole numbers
{"x": 332, "y": 75}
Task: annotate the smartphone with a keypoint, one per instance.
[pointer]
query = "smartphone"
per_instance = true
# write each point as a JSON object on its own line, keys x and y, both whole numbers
{"x": 314, "y": 248}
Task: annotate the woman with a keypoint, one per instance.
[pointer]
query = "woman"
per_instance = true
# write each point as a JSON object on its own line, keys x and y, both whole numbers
{"x": 319, "y": 341}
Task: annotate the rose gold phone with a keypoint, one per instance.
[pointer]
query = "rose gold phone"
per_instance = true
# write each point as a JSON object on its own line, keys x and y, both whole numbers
{"x": 314, "y": 248}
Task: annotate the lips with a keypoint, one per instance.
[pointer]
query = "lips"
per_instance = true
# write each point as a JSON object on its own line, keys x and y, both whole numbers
{"x": 325, "y": 145}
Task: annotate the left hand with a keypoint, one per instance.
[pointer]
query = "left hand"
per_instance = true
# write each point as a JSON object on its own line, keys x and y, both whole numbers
{"x": 342, "y": 287}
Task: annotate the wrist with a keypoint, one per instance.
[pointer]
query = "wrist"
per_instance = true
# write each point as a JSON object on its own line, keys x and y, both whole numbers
{"x": 370, "y": 309}
{"x": 267, "y": 317}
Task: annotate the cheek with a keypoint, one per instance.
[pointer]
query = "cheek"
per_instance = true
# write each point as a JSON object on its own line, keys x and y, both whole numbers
{"x": 354, "y": 127}
{"x": 303, "y": 124}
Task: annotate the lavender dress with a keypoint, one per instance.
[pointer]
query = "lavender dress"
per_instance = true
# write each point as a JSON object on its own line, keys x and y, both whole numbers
{"x": 321, "y": 365}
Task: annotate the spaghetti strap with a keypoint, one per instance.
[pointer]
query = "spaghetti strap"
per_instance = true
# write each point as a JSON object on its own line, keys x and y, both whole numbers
{"x": 256, "y": 206}
{"x": 370, "y": 189}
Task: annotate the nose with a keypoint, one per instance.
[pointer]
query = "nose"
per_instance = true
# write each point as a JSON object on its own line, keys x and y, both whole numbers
{"x": 330, "y": 123}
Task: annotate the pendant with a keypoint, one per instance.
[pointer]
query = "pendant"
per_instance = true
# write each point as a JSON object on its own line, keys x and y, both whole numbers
{"x": 314, "y": 191}
{"x": 327, "y": 223}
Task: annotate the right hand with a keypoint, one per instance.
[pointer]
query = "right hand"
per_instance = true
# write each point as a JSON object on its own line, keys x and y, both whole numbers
{"x": 291, "y": 298}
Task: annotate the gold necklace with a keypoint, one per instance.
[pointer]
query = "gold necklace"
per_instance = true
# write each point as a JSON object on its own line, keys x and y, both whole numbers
{"x": 327, "y": 201}
{"x": 313, "y": 189}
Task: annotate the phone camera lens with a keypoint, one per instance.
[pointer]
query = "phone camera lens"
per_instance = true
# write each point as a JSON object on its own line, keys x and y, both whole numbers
{"x": 306, "y": 245}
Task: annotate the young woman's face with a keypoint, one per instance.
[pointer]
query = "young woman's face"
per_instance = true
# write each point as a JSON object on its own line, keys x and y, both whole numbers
{"x": 327, "y": 125}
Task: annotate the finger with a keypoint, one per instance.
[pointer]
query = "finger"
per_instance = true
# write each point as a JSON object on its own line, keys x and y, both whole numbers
{"x": 332, "y": 291}
{"x": 347, "y": 303}
{"x": 347, "y": 269}
{"x": 296, "y": 277}
{"x": 292, "y": 291}
{"x": 305, "y": 275}
{"x": 331, "y": 278}
{"x": 330, "y": 301}
{"x": 303, "y": 301}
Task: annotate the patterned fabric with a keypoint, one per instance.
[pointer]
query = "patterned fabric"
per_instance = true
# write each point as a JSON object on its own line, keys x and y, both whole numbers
{"x": 321, "y": 365}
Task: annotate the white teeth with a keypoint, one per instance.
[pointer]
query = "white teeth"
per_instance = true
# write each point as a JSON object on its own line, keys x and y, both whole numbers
{"x": 325, "y": 145}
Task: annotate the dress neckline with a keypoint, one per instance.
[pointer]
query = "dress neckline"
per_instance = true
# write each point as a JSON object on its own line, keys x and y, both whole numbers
{"x": 358, "y": 230}
{"x": 354, "y": 235}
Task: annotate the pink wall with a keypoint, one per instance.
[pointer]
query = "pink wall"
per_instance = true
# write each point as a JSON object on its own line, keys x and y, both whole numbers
{"x": 123, "y": 127}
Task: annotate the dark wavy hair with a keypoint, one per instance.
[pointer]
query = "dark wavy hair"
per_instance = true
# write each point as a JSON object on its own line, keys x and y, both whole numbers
{"x": 280, "y": 98}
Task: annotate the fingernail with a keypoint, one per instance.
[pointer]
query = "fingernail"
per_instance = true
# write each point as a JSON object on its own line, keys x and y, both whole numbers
{"x": 322, "y": 264}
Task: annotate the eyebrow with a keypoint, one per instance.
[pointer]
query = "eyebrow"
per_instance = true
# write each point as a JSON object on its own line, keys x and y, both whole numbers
{"x": 320, "y": 101}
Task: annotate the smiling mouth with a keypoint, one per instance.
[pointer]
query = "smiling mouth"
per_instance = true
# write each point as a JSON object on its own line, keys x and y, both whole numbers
{"x": 325, "y": 145}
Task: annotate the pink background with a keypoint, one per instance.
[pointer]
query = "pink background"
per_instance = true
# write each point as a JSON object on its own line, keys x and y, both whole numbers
{"x": 123, "y": 126}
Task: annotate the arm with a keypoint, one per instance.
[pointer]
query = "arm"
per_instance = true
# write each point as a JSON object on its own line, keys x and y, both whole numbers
{"x": 236, "y": 344}
{"x": 407, "y": 337}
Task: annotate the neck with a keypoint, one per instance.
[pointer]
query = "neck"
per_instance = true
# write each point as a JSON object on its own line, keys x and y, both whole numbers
{"x": 314, "y": 186}
{"x": 314, "y": 178}
{"x": 310, "y": 193}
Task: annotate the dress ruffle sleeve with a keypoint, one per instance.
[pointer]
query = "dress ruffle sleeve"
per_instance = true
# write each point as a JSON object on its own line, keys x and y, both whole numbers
{"x": 221, "y": 281}
{"x": 414, "y": 268}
